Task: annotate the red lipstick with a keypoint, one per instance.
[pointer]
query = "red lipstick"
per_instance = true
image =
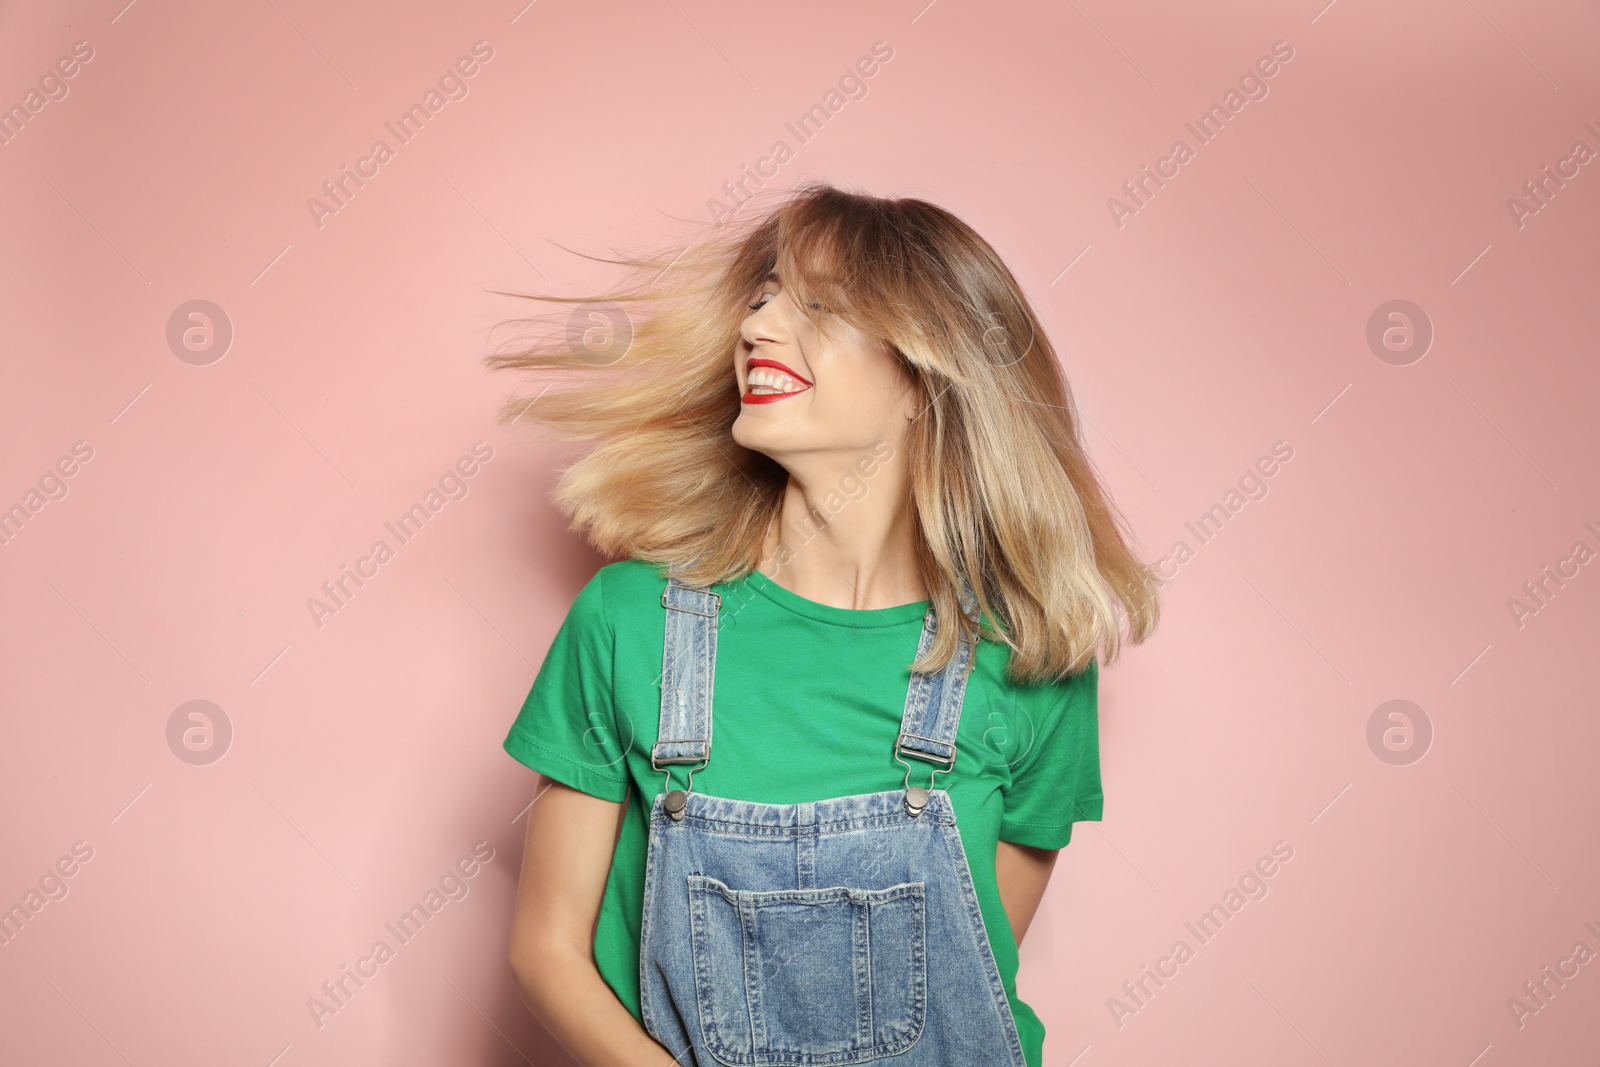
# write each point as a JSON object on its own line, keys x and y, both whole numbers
{"x": 768, "y": 398}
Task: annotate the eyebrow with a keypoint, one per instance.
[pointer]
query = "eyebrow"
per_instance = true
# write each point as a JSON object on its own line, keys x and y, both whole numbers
{"x": 772, "y": 276}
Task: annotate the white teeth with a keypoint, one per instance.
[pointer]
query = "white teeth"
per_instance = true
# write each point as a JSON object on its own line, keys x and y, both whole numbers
{"x": 765, "y": 380}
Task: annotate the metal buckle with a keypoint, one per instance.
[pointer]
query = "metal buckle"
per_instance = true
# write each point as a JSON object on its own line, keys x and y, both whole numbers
{"x": 704, "y": 614}
{"x": 899, "y": 748}
{"x": 678, "y": 799}
{"x": 657, "y": 761}
{"x": 916, "y": 798}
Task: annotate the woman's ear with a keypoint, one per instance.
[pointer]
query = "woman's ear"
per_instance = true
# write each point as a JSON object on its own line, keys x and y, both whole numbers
{"x": 915, "y": 399}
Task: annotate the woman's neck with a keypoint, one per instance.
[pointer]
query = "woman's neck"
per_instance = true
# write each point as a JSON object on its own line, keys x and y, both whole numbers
{"x": 854, "y": 551}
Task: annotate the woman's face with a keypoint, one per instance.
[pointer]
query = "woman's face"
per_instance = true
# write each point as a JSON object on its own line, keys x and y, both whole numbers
{"x": 805, "y": 393}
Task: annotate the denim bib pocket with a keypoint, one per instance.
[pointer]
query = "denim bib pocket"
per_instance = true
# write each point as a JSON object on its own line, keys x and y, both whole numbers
{"x": 808, "y": 977}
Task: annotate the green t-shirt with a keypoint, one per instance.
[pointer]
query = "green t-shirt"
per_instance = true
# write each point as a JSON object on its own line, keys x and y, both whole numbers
{"x": 806, "y": 704}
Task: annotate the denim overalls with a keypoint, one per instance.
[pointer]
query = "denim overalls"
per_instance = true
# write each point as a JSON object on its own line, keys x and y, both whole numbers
{"x": 833, "y": 931}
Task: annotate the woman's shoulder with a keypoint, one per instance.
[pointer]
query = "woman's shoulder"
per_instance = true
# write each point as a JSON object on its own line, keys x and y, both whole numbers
{"x": 632, "y": 574}
{"x": 621, "y": 599}
{"x": 994, "y": 665}
{"x": 625, "y": 589}
{"x": 1055, "y": 720}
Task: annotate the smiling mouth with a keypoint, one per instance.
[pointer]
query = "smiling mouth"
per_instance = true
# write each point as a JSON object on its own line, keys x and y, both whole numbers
{"x": 770, "y": 381}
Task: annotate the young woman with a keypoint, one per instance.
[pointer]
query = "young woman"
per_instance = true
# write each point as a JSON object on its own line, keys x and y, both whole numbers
{"x": 861, "y": 546}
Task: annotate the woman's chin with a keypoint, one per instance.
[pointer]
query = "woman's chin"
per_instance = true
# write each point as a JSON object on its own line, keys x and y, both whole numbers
{"x": 748, "y": 432}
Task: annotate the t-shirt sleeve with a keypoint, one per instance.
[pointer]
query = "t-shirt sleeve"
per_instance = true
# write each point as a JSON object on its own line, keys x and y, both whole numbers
{"x": 1057, "y": 782}
{"x": 567, "y": 728}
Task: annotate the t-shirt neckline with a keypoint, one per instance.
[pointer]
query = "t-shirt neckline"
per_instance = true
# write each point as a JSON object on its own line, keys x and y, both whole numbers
{"x": 858, "y": 618}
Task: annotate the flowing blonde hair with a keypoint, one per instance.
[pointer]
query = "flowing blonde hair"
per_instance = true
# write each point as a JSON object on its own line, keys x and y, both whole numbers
{"x": 1006, "y": 497}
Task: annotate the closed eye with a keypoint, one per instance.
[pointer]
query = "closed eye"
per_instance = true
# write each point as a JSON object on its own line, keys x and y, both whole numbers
{"x": 762, "y": 302}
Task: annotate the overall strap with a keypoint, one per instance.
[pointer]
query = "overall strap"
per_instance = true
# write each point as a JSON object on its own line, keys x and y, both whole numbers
{"x": 933, "y": 701}
{"x": 688, "y": 666}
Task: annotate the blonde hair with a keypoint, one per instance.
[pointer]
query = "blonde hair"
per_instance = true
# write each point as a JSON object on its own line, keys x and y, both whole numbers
{"x": 1006, "y": 497}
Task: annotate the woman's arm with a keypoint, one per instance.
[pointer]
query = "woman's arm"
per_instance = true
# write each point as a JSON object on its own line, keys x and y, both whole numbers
{"x": 565, "y": 861}
{"x": 1022, "y": 873}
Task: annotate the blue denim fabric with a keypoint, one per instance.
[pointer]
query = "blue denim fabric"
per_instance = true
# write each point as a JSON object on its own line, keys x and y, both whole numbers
{"x": 837, "y": 931}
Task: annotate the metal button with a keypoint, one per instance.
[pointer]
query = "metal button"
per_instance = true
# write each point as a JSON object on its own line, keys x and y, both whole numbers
{"x": 916, "y": 800}
{"x": 676, "y": 801}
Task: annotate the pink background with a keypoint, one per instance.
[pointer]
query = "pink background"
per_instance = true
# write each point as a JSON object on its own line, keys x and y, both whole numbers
{"x": 1229, "y": 312}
